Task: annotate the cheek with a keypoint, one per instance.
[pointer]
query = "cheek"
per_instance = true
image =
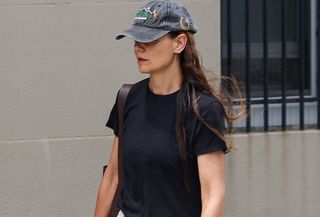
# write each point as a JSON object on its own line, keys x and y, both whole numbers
{"x": 167, "y": 57}
{"x": 160, "y": 54}
{"x": 164, "y": 55}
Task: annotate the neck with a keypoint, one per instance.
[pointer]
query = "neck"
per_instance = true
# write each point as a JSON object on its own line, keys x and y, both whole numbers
{"x": 165, "y": 83}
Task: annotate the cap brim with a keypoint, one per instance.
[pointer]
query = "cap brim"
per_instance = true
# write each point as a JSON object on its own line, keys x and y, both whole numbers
{"x": 142, "y": 34}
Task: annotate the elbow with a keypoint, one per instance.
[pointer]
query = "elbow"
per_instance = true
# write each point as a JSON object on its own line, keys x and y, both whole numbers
{"x": 213, "y": 206}
{"x": 216, "y": 194}
{"x": 113, "y": 179}
{"x": 110, "y": 180}
{"x": 214, "y": 200}
{"x": 114, "y": 183}
{"x": 217, "y": 199}
{"x": 220, "y": 196}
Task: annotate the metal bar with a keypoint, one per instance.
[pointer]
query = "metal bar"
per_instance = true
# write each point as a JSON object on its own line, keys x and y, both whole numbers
{"x": 302, "y": 63}
{"x": 229, "y": 46}
{"x": 229, "y": 38}
{"x": 283, "y": 63}
{"x": 265, "y": 64}
{"x": 247, "y": 65}
{"x": 279, "y": 100}
{"x": 318, "y": 64}
{"x": 228, "y": 72}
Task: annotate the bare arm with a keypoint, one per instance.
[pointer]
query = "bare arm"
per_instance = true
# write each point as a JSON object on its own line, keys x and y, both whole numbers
{"x": 211, "y": 174}
{"x": 108, "y": 183}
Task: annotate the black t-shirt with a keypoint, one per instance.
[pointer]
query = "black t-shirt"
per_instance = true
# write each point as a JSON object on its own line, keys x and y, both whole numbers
{"x": 153, "y": 180}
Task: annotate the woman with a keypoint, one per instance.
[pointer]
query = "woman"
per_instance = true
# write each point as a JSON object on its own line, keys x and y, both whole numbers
{"x": 173, "y": 142}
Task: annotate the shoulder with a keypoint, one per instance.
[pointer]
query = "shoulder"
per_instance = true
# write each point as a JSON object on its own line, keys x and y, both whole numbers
{"x": 140, "y": 85}
{"x": 208, "y": 103}
{"x": 137, "y": 92}
{"x": 141, "y": 82}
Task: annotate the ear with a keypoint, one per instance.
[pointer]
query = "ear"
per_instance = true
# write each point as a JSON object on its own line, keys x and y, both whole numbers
{"x": 180, "y": 43}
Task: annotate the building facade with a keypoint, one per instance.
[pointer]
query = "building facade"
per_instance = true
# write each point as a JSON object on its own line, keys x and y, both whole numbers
{"x": 271, "y": 47}
{"x": 61, "y": 68}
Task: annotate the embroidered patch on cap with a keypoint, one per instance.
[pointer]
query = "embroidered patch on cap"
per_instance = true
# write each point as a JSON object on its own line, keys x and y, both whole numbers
{"x": 157, "y": 18}
{"x": 145, "y": 15}
{"x": 185, "y": 23}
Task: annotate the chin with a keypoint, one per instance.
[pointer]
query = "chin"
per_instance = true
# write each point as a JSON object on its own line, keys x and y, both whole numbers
{"x": 144, "y": 71}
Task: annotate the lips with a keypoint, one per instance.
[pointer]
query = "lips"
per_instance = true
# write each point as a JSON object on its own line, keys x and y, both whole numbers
{"x": 141, "y": 60}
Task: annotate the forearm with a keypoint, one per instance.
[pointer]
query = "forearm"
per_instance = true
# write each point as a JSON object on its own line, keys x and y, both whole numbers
{"x": 211, "y": 173}
{"x": 105, "y": 196}
{"x": 213, "y": 207}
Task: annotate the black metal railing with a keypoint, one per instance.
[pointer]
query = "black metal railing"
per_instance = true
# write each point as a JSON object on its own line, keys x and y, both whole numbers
{"x": 302, "y": 61}
{"x": 318, "y": 64}
{"x": 248, "y": 81}
{"x": 287, "y": 37}
{"x": 284, "y": 72}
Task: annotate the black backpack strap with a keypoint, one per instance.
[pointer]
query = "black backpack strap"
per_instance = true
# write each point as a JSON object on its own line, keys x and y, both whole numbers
{"x": 123, "y": 95}
{"x": 122, "y": 98}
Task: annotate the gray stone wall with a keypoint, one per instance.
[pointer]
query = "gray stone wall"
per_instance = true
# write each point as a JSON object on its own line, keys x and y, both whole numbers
{"x": 60, "y": 69}
{"x": 274, "y": 174}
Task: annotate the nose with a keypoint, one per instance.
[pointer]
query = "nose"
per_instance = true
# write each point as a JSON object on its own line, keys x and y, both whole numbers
{"x": 138, "y": 46}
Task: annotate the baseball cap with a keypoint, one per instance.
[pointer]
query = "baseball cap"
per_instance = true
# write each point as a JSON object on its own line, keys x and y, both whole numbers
{"x": 158, "y": 18}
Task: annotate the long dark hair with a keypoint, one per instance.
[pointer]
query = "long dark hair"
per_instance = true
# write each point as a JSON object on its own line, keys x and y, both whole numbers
{"x": 195, "y": 82}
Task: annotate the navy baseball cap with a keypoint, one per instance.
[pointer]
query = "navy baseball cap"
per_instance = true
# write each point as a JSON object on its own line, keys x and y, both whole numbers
{"x": 158, "y": 18}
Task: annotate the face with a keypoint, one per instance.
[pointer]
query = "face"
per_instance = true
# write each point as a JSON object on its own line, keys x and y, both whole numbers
{"x": 156, "y": 56}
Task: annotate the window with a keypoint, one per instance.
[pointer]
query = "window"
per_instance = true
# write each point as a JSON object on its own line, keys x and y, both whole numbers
{"x": 274, "y": 38}
{"x": 269, "y": 46}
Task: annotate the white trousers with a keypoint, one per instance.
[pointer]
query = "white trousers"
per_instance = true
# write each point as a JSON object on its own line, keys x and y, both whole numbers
{"x": 120, "y": 214}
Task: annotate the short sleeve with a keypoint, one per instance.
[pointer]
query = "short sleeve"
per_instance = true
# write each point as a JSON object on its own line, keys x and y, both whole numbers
{"x": 205, "y": 140}
{"x": 112, "y": 121}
